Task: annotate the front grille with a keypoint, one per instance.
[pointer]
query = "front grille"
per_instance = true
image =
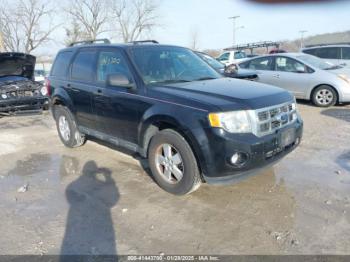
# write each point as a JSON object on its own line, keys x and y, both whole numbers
{"x": 273, "y": 118}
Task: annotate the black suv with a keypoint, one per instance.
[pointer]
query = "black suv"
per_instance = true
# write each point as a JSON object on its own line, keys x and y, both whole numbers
{"x": 171, "y": 107}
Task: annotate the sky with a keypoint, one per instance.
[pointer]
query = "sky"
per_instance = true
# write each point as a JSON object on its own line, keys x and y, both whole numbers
{"x": 178, "y": 19}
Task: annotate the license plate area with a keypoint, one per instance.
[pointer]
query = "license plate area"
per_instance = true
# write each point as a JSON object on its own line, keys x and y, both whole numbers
{"x": 287, "y": 137}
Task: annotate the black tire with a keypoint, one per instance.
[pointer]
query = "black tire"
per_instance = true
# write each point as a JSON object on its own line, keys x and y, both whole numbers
{"x": 327, "y": 92}
{"x": 75, "y": 138}
{"x": 191, "y": 179}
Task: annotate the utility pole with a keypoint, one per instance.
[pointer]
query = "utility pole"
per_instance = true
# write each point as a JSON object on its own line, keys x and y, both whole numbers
{"x": 302, "y": 32}
{"x": 234, "y": 28}
{"x": 2, "y": 46}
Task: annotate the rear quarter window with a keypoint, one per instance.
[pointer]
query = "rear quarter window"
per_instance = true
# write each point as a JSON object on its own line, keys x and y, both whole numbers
{"x": 61, "y": 64}
{"x": 83, "y": 66}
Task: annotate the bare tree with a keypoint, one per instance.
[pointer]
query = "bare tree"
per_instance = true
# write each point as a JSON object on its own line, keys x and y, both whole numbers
{"x": 90, "y": 18}
{"x": 134, "y": 17}
{"x": 74, "y": 33}
{"x": 21, "y": 25}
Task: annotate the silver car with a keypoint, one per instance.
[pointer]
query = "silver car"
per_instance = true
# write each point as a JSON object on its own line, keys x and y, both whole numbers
{"x": 306, "y": 76}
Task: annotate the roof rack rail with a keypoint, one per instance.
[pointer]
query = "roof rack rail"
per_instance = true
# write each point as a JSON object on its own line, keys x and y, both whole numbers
{"x": 87, "y": 42}
{"x": 144, "y": 42}
{"x": 329, "y": 44}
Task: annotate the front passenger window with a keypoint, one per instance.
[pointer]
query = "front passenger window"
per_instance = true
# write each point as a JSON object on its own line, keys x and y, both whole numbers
{"x": 264, "y": 63}
{"x": 285, "y": 64}
{"x": 109, "y": 63}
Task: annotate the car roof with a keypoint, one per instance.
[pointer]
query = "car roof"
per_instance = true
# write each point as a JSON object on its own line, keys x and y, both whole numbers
{"x": 325, "y": 46}
{"x": 124, "y": 46}
{"x": 292, "y": 55}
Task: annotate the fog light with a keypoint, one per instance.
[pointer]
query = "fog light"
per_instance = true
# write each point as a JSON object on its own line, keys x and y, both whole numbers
{"x": 239, "y": 159}
{"x": 235, "y": 158}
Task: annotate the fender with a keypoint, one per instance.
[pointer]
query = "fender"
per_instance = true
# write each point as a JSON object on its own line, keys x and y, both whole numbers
{"x": 160, "y": 115}
{"x": 60, "y": 96}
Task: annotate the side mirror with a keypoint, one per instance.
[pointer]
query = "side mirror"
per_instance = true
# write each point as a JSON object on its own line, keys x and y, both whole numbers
{"x": 119, "y": 79}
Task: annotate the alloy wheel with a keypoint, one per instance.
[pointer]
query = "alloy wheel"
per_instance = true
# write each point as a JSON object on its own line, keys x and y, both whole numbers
{"x": 169, "y": 163}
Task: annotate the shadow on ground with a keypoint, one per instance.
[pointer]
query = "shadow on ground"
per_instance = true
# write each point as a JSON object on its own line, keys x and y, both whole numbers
{"x": 344, "y": 161}
{"x": 89, "y": 228}
{"x": 339, "y": 113}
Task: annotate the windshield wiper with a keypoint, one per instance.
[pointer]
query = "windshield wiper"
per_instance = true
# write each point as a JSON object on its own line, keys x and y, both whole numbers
{"x": 334, "y": 67}
{"x": 205, "y": 78}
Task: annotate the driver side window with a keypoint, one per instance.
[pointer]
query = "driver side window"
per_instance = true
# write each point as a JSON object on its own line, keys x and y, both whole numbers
{"x": 285, "y": 64}
{"x": 263, "y": 63}
{"x": 109, "y": 63}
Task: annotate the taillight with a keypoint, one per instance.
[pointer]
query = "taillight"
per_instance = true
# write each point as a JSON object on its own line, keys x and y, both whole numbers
{"x": 48, "y": 87}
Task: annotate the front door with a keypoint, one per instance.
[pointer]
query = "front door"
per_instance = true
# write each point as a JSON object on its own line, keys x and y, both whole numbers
{"x": 292, "y": 75}
{"x": 115, "y": 107}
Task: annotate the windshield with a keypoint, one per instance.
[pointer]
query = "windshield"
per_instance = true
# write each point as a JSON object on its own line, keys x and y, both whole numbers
{"x": 211, "y": 61}
{"x": 171, "y": 64}
{"x": 317, "y": 62}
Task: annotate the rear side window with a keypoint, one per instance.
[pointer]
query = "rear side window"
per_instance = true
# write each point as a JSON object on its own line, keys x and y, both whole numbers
{"x": 61, "y": 64}
{"x": 83, "y": 66}
{"x": 345, "y": 52}
{"x": 328, "y": 52}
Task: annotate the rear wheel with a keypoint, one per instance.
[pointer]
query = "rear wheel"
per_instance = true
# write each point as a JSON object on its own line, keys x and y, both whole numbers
{"x": 173, "y": 164}
{"x": 67, "y": 128}
{"x": 324, "y": 96}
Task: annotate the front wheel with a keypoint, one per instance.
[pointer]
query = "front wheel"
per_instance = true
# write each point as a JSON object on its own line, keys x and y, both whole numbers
{"x": 324, "y": 96}
{"x": 173, "y": 164}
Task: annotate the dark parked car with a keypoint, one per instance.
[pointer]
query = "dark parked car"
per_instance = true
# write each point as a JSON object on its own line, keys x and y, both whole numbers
{"x": 228, "y": 71}
{"x": 168, "y": 105}
{"x": 277, "y": 51}
{"x": 18, "y": 90}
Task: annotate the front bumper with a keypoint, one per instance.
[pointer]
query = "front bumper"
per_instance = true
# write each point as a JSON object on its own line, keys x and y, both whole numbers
{"x": 261, "y": 152}
{"x": 23, "y": 103}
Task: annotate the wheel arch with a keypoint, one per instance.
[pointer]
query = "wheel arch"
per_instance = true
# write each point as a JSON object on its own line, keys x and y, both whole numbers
{"x": 159, "y": 123}
{"x": 331, "y": 86}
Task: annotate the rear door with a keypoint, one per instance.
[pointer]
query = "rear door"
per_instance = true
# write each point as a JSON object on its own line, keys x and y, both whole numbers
{"x": 116, "y": 108}
{"x": 81, "y": 86}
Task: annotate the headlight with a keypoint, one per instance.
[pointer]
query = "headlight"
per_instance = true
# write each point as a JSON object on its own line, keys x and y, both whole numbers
{"x": 345, "y": 78}
{"x": 233, "y": 122}
{"x": 43, "y": 91}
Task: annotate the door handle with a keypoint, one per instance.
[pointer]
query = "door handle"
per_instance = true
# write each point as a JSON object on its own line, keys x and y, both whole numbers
{"x": 98, "y": 92}
{"x": 69, "y": 86}
{"x": 276, "y": 76}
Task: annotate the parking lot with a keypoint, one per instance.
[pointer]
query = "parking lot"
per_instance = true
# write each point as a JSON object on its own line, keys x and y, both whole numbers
{"x": 98, "y": 200}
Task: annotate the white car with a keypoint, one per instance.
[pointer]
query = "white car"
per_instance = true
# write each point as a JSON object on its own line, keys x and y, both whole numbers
{"x": 306, "y": 76}
{"x": 336, "y": 54}
{"x": 232, "y": 57}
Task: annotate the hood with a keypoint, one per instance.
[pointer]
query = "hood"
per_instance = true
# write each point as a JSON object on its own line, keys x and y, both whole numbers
{"x": 17, "y": 64}
{"x": 228, "y": 93}
{"x": 340, "y": 71}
